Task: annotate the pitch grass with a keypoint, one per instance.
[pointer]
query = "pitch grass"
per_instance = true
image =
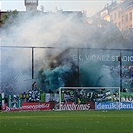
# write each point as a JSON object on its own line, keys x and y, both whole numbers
{"x": 67, "y": 122}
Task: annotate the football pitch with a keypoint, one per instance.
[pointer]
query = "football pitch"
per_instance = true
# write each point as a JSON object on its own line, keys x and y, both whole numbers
{"x": 114, "y": 121}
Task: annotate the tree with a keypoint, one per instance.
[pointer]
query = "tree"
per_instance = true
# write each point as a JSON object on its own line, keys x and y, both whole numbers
{"x": 9, "y": 18}
{"x": 1, "y": 23}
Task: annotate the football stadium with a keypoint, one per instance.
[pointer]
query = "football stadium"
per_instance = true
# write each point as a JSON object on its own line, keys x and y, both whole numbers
{"x": 65, "y": 72}
{"x": 64, "y": 99}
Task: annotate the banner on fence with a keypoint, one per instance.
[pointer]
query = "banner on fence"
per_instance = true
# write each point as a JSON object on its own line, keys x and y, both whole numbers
{"x": 74, "y": 106}
{"x": 114, "y": 105}
{"x": 28, "y": 106}
{"x": 126, "y": 105}
{"x": 126, "y": 97}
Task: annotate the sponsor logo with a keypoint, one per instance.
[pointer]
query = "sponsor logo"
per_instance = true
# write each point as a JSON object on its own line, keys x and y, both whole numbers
{"x": 114, "y": 105}
{"x": 107, "y": 105}
{"x": 73, "y": 106}
{"x": 126, "y": 105}
{"x": 42, "y": 106}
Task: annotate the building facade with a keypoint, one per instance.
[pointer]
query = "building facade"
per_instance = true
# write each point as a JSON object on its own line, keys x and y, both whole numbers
{"x": 121, "y": 14}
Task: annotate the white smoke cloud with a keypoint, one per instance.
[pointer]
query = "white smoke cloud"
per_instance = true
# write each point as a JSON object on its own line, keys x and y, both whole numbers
{"x": 51, "y": 30}
{"x": 46, "y": 30}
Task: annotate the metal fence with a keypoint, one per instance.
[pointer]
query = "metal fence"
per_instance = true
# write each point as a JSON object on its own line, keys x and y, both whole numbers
{"x": 53, "y": 67}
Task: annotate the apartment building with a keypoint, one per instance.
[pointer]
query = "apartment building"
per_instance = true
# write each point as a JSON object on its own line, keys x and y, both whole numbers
{"x": 121, "y": 15}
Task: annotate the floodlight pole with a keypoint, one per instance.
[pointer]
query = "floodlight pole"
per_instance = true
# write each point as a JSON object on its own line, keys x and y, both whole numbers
{"x": 120, "y": 59}
{"x": 32, "y": 63}
{"x": 78, "y": 69}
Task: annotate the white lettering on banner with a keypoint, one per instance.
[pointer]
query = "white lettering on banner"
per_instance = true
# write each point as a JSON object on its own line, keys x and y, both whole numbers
{"x": 114, "y": 105}
{"x": 83, "y": 107}
{"x": 126, "y": 98}
{"x": 127, "y": 58}
{"x": 74, "y": 106}
{"x": 107, "y": 106}
{"x": 96, "y": 57}
{"x": 68, "y": 107}
{"x": 7, "y": 108}
{"x": 126, "y": 105}
{"x": 29, "y": 107}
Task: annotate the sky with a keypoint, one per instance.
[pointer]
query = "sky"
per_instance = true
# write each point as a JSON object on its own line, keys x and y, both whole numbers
{"x": 91, "y": 6}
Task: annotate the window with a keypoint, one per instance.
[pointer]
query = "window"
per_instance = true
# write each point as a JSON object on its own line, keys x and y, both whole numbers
{"x": 126, "y": 17}
{"x": 115, "y": 16}
{"x": 111, "y": 17}
{"x": 122, "y": 19}
{"x": 119, "y": 14}
{"x": 119, "y": 24}
{"x": 130, "y": 15}
{"x": 31, "y": 1}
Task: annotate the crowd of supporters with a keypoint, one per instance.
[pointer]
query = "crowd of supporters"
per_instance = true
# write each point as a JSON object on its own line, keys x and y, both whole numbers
{"x": 127, "y": 77}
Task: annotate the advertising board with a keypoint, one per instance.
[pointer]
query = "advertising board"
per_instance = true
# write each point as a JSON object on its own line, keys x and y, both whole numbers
{"x": 28, "y": 106}
{"x": 114, "y": 105}
{"x": 74, "y": 106}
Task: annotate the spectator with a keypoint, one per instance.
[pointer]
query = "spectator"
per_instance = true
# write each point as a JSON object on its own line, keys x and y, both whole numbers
{"x": 24, "y": 97}
{"x": 34, "y": 85}
{"x": 6, "y": 99}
